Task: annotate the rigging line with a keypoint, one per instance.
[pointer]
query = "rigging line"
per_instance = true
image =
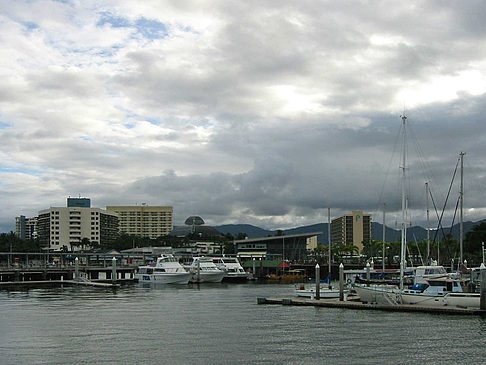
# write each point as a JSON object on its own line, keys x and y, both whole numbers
{"x": 447, "y": 198}
{"x": 455, "y": 213}
{"x": 437, "y": 214}
{"x": 418, "y": 249}
{"x": 409, "y": 254}
{"x": 424, "y": 166}
{"x": 380, "y": 198}
{"x": 452, "y": 224}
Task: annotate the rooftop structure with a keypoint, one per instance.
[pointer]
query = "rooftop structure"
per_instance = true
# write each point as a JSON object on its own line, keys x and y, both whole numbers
{"x": 292, "y": 247}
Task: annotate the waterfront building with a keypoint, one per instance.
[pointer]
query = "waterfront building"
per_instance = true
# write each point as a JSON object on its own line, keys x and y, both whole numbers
{"x": 144, "y": 220}
{"x": 353, "y": 228}
{"x": 26, "y": 228}
{"x": 292, "y": 247}
{"x": 68, "y": 227}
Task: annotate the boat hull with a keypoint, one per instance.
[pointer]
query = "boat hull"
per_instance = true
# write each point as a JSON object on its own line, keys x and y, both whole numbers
{"x": 469, "y": 300}
{"x": 207, "y": 277}
{"x": 379, "y": 294}
{"x": 389, "y": 295}
{"x": 165, "y": 278}
{"x": 324, "y": 293}
{"x": 235, "y": 277}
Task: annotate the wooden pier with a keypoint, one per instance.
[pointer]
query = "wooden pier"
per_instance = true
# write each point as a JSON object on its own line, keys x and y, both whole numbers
{"x": 354, "y": 304}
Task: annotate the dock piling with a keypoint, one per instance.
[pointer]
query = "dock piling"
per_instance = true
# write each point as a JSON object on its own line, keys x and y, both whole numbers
{"x": 482, "y": 298}
{"x": 341, "y": 282}
{"x": 76, "y": 268}
{"x": 113, "y": 269}
{"x": 368, "y": 275}
{"x": 318, "y": 282}
{"x": 198, "y": 271}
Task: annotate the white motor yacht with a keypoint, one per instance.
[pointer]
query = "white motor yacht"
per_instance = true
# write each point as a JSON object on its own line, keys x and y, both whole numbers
{"x": 203, "y": 270}
{"x": 233, "y": 271}
{"x": 167, "y": 270}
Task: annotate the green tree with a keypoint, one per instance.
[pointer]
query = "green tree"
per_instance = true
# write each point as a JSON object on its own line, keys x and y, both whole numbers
{"x": 85, "y": 243}
{"x": 241, "y": 236}
{"x": 473, "y": 243}
{"x": 229, "y": 248}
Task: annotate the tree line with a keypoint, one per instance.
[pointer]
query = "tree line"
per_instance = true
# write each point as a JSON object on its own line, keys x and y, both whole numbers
{"x": 445, "y": 251}
{"x": 9, "y": 242}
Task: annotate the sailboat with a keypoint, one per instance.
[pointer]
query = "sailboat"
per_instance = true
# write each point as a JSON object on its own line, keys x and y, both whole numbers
{"x": 438, "y": 290}
{"x": 384, "y": 294}
{"x": 328, "y": 291}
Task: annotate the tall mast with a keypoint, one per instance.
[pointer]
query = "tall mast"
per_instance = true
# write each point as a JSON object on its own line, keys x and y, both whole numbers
{"x": 461, "y": 197}
{"x": 383, "y": 247}
{"x": 329, "y": 242}
{"x": 404, "y": 202}
{"x": 428, "y": 223}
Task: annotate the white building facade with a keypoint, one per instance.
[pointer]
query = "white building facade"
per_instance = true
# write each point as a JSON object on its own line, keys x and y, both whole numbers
{"x": 67, "y": 227}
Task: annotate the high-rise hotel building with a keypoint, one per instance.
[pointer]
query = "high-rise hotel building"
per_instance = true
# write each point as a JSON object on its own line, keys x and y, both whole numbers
{"x": 59, "y": 227}
{"x": 144, "y": 220}
{"x": 352, "y": 228}
{"x": 26, "y": 228}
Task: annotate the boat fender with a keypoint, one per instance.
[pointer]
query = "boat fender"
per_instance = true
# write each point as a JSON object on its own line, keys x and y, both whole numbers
{"x": 349, "y": 281}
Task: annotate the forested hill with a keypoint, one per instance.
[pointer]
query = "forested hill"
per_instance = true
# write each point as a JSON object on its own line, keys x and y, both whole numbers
{"x": 413, "y": 233}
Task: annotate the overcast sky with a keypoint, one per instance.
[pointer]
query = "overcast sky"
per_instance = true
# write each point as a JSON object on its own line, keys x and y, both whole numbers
{"x": 257, "y": 112}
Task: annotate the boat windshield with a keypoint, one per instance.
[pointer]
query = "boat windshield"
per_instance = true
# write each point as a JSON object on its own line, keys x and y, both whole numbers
{"x": 230, "y": 261}
{"x": 168, "y": 259}
{"x": 439, "y": 270}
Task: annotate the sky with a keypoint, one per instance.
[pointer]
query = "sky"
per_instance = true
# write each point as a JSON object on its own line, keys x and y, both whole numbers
{"x": 257, "y": 112}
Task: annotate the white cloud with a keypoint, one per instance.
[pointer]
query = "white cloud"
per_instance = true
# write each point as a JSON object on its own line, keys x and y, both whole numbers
{"x": 235, "y": 111}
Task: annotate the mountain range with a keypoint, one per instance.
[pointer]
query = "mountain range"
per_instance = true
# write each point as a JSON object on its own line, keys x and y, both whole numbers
{"x": 391, "y": 235}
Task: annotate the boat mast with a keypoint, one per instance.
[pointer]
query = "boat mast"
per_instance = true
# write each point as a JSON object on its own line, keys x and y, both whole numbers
{"x": 428, "y": 224}
{"x": 461, "y": 197}
{"x": 383, "y": 247}
{"x": 404, "y": 202}
{"x": 329, "y": 242}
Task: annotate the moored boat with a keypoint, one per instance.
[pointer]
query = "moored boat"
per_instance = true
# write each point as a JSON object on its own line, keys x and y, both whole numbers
{"x": 167, "y": 270}
{"x": 324, "y": 292}
{"x": 203, "y": 270}
{"x": 233, "y": 271}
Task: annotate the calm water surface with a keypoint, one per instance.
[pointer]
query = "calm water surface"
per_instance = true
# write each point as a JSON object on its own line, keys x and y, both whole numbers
{"x": 221, "y": 324}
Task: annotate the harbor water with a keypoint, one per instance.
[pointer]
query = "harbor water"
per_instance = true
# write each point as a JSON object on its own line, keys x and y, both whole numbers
{"x": 220, "y": 324}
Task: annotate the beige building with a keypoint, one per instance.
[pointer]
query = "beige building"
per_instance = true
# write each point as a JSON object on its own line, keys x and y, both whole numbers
{"x": 26, "y": 228}
{"x": 352, "y": 228}
{"x": 66, "y": 227}
{"x": 144, "y": 220}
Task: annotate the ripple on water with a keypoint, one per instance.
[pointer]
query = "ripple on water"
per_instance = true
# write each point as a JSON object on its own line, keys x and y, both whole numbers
{"x": 219, "y": 324}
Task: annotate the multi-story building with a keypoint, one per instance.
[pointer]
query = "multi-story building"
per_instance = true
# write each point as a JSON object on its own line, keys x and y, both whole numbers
{"x": 26, "y": 228}
{"x": 144, "y": 220}
{"x": 352, "y": 228}
{"x": 20, "y": 226}
{"x": 68, "y": 227}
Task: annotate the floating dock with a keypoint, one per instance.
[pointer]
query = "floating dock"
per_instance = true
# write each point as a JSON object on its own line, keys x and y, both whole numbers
{"x": 54, "y": 283}
{"x": 354, "y": 304}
